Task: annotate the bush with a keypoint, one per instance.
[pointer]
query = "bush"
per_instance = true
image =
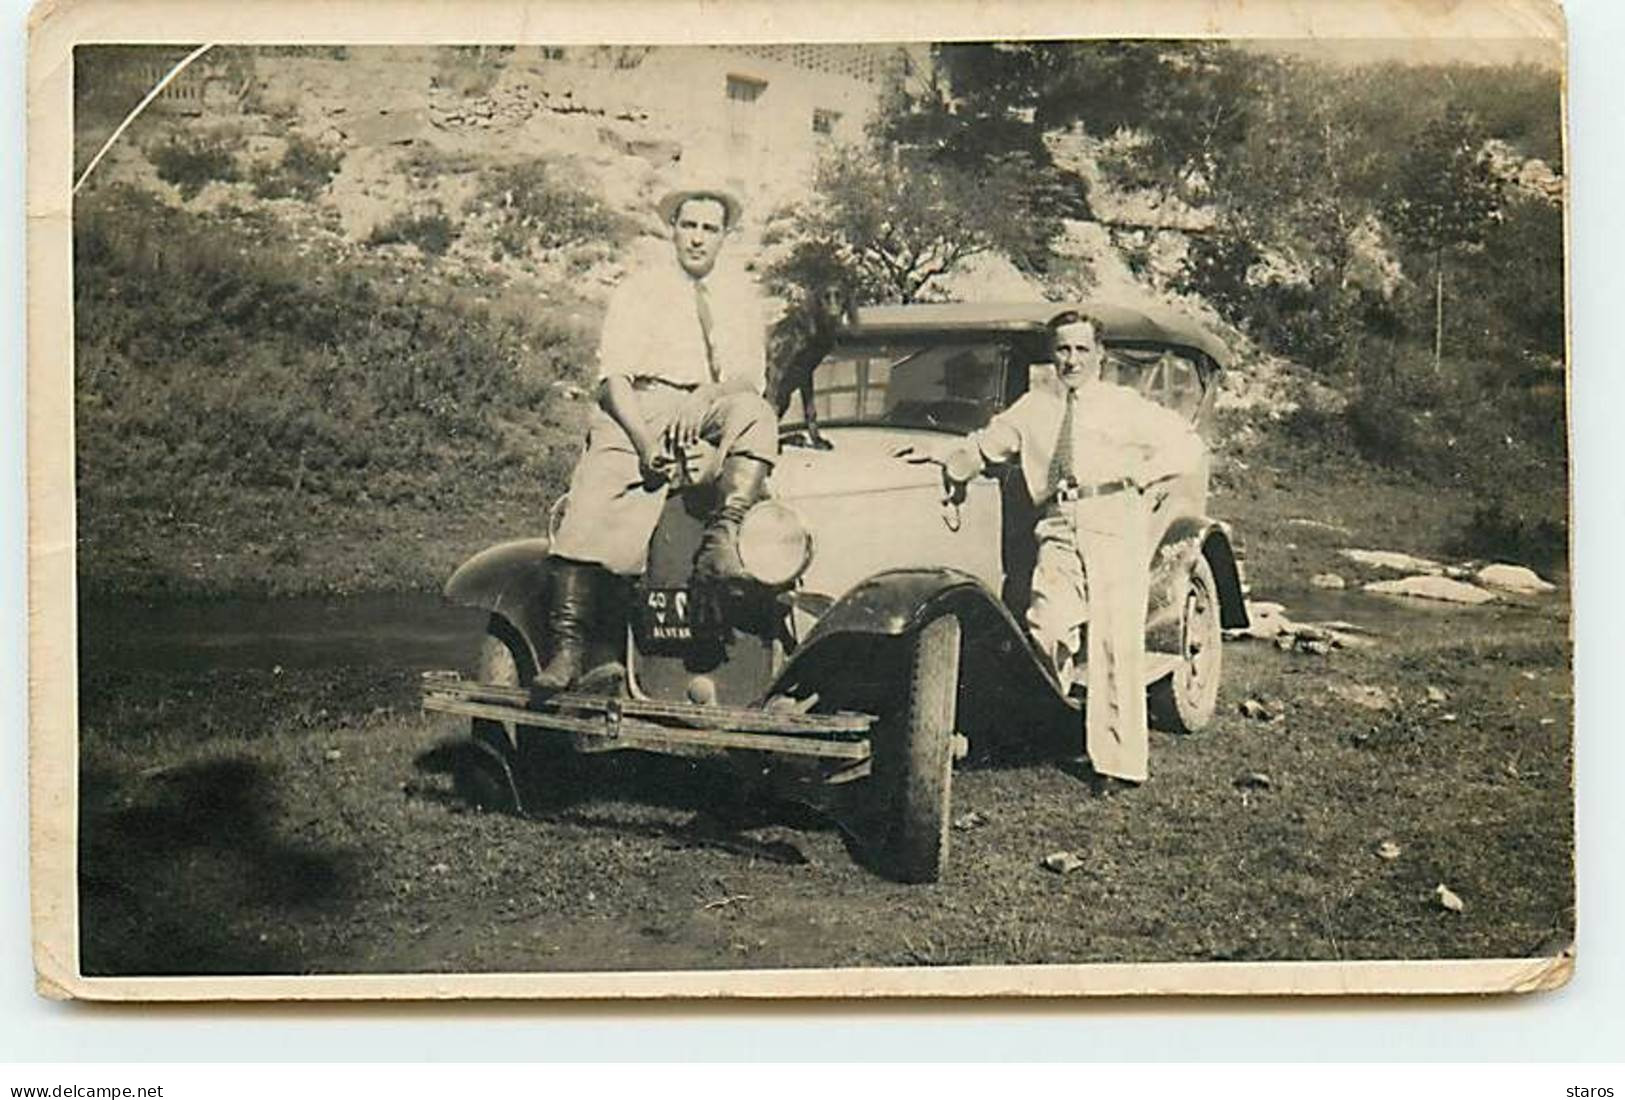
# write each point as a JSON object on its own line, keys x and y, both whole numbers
{"x": 215, "y": 371}
{"x": 425, "y": 165}
{"x": 432, "y": 232}
{"x": 471, "y": 70}
{"x": 532, "y": 210}
{"x": 305, "y": 169}
{"x": 191, "y": 162}
{"x": 1308, "y": 322}
{"x": 1500, "y": 532}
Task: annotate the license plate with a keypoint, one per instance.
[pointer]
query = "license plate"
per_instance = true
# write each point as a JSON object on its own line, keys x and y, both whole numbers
{"x": 672, "y": 615}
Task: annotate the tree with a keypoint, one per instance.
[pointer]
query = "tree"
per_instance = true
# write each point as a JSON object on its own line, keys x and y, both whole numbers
{"x": 1444, "y": 198}
{"x": 985, "y": 145}
{"x": 897, "y": 226}
{"x": 1185, "y": 102}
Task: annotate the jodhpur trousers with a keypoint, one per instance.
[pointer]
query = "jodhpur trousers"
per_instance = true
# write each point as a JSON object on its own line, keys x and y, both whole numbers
{"x": 611, "y": 512}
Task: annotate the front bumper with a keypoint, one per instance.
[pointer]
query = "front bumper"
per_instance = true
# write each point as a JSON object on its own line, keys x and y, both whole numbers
{"x": 606, "y": 723}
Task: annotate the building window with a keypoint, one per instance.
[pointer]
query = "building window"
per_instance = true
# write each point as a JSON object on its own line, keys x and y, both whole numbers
{"x": 824, "y": 121}
{"x": 744, "y": 89}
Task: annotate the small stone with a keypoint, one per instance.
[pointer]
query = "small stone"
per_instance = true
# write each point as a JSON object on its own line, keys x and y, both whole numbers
{"x": 440, "y": 869}
{"x": 1254, "y": 781}
{"x": 973, "y": 820}
{"x": 1259, "y": 710}
{"x": 1388, "y": 850}
{"x": 1317, "y": 524}
{"x": 1514, "y": 578}
{"x": 1315, "y": 646}
{"x": 1437, "y": 695}
{"x": 1432, "y": 588}
{"x": 1448, "y": 898}
{"x": 1062, "y": 863}
{"x": 1394, "y": 560}
{"x": 1328, "y": 580}
{"x": 1361, "y": 695}
{"x": 332, "y": 756}
{"x": 1266, "y": 620}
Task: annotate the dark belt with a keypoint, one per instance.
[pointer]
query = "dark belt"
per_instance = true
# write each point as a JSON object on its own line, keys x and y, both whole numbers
{"x": 1070, "y": 490}
{"x": 641, "y": 382}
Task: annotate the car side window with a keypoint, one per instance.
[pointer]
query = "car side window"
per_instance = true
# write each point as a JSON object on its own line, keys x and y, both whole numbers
{"x": 1165, "y": 376}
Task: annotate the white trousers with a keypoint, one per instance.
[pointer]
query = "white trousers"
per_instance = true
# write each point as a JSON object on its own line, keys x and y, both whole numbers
{"x": 1093, "y": 565}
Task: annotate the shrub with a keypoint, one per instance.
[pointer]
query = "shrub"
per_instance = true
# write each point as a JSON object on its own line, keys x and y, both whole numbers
{"x": 1309, "y": 322}
{"x": 423, "y": 164}
{"x": 531, "y": 209}
{"x": 432, "y": 232}
{"x": 305, "y": 169}
{"x": 191, "y": 162}
{"x": 1501, "y": 532}
{"x": 219, "y": 381}
{"x": 471, "y": 70}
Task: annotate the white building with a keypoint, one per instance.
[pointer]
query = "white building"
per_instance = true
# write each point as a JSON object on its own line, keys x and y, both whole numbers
{"x": 757, "y": 116}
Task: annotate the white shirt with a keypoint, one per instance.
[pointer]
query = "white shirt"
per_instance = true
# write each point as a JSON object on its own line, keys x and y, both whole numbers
{"x": 652, "y": 327}
{"x": 1116, "y": 433}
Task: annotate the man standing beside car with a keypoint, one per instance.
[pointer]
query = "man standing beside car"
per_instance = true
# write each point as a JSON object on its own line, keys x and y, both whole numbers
{"x": 1088, "y": 449}
{"x": 681, "y": 367}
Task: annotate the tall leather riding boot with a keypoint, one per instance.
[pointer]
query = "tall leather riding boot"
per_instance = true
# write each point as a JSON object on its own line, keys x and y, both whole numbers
{"x": 571, "y": 604}
{"x": 740, "y": 483}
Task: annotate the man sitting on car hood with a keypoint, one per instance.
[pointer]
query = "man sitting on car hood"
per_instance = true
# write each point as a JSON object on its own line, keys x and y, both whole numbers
{"x": 681, "y": 368}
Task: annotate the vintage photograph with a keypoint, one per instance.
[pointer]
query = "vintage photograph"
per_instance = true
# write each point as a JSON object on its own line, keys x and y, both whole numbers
{"x": 558, "y": 509}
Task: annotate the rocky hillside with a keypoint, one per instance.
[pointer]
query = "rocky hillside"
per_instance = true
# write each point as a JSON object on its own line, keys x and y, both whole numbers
{"x": 335, "y": 311}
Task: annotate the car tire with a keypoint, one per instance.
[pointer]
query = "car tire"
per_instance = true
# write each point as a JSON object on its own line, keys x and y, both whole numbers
{"x": 493, "y": 772}
{"x": 1186, "y": 700}
{"x": 483, "y": 777}
{"x": 914, "y": 756}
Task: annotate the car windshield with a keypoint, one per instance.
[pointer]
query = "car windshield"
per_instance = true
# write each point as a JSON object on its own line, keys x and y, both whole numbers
{"x": 954, "y": 386}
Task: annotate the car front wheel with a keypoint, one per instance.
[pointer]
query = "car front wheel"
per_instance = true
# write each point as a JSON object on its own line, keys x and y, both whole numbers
{"x": 914, "y": 756}
{"x": 1186, "y": 699}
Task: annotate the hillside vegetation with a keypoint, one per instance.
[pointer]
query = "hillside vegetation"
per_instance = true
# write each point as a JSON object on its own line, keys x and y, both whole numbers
{"x": 310, "y": 363}
{"x": 287, "y": 422}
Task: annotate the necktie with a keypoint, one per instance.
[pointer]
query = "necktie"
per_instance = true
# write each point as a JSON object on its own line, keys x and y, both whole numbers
{"x": 702, "y": 309}
{"x": 1063, "y": 465}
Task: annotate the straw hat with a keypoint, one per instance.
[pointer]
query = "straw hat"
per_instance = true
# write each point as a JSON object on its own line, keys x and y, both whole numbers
{"x": 669, "y": 203}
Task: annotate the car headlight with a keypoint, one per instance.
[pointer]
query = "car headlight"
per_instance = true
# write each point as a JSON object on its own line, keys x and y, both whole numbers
{"x": 773, "y": 544}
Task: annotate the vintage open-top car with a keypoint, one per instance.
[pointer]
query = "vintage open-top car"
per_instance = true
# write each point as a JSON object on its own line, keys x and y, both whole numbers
{"x": 885, "y": 637}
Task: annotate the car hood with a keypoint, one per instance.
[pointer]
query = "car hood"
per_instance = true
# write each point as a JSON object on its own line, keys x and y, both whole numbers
{"x": 860, "y": 462}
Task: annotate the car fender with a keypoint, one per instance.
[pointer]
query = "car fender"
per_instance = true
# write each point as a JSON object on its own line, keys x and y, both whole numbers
{"x": 1004, "y": 683}
{"x": 1175, "y": 555}
{"x": 503, "y": 579}
{"x": 896, "y": 602}
{"x": 899, "y": 602}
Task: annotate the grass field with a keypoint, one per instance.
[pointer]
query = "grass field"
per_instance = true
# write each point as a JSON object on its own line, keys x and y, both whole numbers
{"x": 251, "y": 821}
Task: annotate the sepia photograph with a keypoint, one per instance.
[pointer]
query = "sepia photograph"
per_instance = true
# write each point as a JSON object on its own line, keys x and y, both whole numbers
{"x": 1007, "y": 507}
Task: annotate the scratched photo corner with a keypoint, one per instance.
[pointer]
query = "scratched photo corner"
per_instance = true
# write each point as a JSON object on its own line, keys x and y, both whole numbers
{"x": 551, "y": 509}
